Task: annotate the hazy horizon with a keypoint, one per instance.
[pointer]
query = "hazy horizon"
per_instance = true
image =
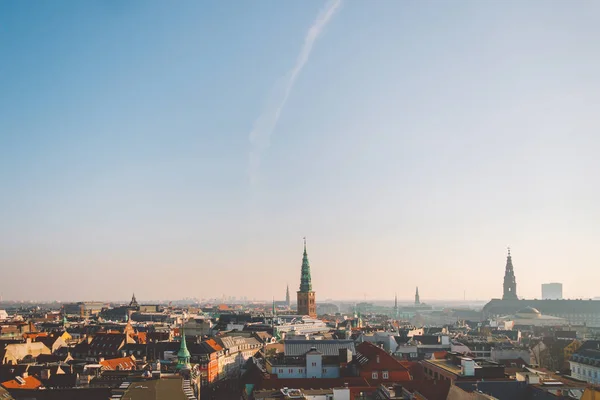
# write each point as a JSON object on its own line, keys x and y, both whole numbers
{"x": 184, "y": 151}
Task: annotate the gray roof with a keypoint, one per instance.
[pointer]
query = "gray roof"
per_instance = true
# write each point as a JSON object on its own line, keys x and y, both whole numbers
{"x": 295, "y": 348}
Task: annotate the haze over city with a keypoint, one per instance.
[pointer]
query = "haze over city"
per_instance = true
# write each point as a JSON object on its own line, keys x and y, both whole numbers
{"x": 186, "y": 151}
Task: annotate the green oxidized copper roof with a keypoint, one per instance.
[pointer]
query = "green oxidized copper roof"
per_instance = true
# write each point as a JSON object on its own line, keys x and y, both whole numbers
{"x": 305, "y": 282}
{"x": 183, "y": 350}
{"x": 183, "y": 355}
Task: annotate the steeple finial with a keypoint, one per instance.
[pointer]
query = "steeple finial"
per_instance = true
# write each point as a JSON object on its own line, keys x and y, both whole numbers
{"x": 508, "y": 250}
{"x": 305, "y": 281}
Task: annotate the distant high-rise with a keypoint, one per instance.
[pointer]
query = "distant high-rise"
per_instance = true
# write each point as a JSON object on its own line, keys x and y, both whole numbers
{"x": 552, "y": 291}
{"x": 306, "y": 297}
{"x": 510, "y": 283}
{"x": 417, "y": 298}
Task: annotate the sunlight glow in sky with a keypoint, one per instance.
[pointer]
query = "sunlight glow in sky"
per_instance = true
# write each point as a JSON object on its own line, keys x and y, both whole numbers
{"x": 184, "y": 151}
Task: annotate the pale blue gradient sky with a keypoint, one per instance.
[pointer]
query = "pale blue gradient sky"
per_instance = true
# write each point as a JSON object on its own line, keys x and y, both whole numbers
{"x": 419, "y": 140}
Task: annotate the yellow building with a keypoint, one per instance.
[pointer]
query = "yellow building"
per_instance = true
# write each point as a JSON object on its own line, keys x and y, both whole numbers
{"x": 591, "y": 394}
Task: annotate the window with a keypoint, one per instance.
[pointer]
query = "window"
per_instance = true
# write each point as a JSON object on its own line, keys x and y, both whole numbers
{"x": 375, "y": 375}
{"x": 290, "y": 370}
{"x": 324, "y": 370}
{"x": 314, "y": 364}
{"x": 385, "y": 375}
{"x": 281, "y": 370}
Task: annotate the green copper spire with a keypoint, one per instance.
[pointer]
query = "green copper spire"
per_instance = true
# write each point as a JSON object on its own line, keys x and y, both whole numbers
{"x": 183, "y": 355}
{"x": 305, "y": 283}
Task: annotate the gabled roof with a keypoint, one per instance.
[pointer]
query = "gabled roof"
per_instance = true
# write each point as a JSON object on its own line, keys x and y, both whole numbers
{"x": 107, "y": 341}
{"x": 123, "y": 363}
{"x": 379, "y": 359}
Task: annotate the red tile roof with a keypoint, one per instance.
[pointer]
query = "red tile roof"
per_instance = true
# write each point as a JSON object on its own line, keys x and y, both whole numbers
{"x": 124, "y": 363}
{"x": 212, "y": 343}
{"x": 30, "y": 382}
{"x": 415, "y": 368}
{"x": 380, "y": 360}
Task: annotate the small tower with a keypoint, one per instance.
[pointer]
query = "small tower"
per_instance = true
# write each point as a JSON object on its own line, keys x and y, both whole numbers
{"x": 183, "y": 355}
{"x": 306, "y": 296}
{"x": 396, "y": 306}
{"x": 417, "y": 298}
{"x": 287, "y": 296}
{"x": 510, "y": 282}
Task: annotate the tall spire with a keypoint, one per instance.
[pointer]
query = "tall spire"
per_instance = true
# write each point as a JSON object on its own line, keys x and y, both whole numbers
{"x": 183, "y": 355}
{"x": 417, "y": 298}
{"x": 287, "y": 296}
{"x": 305, "y": 281}
{"x": 510, "y": 282}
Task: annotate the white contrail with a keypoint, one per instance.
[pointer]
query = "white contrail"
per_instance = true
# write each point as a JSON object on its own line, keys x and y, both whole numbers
{"x": 266, "y": 122}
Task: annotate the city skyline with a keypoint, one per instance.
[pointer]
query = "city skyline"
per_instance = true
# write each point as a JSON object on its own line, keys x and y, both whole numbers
{"x": 143, "y": 144}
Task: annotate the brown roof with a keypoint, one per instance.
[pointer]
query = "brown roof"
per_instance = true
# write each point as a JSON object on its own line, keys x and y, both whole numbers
{"x": 124, "y": 363}
{"x": 30, "y": 382}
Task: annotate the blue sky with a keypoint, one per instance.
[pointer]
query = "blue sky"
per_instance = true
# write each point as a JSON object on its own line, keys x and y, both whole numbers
{"x": 418, "y": 140}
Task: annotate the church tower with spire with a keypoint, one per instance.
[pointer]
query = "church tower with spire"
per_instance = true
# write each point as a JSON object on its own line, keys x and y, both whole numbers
{"x": 417, "y": 298}
{"x": 287, "y": 296}
{"x": 183, "y": 355}
{"x": 510, "y": 282}
{"x": 306, "y": 297}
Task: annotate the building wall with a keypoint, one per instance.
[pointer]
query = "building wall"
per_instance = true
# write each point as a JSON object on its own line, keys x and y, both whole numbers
{"x": 307, "y": 304}
{"x": 498, "y": 355}
{"x": 314, "y": 365}
{"x": 584, "y": 372}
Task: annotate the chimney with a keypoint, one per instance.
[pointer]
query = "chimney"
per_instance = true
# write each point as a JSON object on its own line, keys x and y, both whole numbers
{"x": 25, "y": 375}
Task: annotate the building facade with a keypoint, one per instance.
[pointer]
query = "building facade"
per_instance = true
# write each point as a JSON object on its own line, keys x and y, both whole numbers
{"x": 585, "y": 362}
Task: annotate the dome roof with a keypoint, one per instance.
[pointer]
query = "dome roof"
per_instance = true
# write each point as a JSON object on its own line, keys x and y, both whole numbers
{"x": 529, "y": 312}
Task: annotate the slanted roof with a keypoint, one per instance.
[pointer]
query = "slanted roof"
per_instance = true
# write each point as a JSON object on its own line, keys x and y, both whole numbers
{"x": 30, "y": 382}
{"x": 295, "y": 348}
{"x": 379, "y": 359}
{"x": 123, "y": 363}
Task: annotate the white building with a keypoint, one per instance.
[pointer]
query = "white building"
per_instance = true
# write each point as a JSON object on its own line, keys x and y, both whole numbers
{"x": 552, "y": 291}
{"x": 585, "y": 363}
{"x": 530, "y": 316}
